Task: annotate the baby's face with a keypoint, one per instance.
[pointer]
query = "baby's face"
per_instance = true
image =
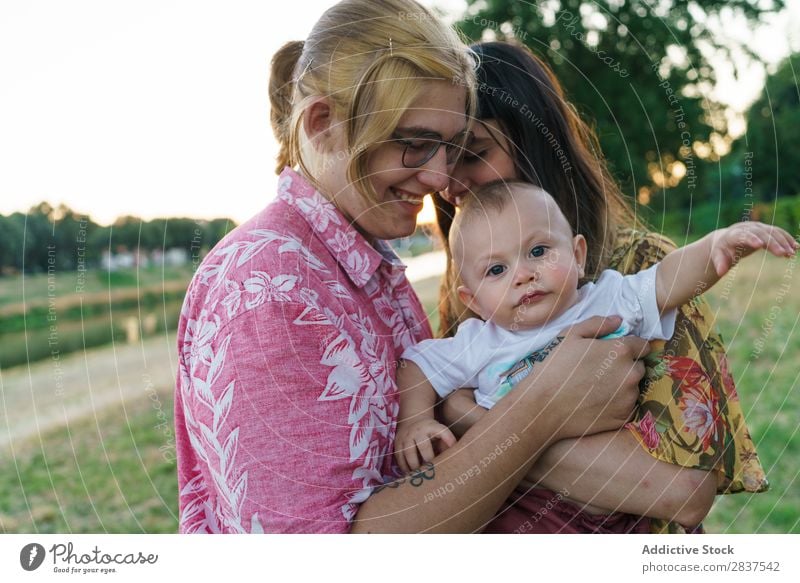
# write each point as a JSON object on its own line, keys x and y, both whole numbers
{"x": 520, "y": 267}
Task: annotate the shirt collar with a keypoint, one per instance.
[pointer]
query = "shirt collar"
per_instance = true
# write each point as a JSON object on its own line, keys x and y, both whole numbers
{"x": 355, "y": 255}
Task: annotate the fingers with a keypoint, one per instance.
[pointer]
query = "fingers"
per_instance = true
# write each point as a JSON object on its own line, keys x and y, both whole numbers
{"x": 415, "y": 446}
{"x": 411, "y": 457}
{"x": 400, "y": 458}
{"x": 446, "y": 438}
{"x": 637, "y": 347}
{"x": 755, "y": 235}
{"x": 595, "y": 327}
{"x": 425, "y": 448}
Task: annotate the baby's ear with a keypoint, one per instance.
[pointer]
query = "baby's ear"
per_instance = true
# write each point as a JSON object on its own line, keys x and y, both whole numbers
{"x": 579, "y": 248}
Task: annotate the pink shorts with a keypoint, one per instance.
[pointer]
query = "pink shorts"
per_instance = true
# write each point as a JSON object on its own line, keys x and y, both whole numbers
{"x": 541, "y": 511}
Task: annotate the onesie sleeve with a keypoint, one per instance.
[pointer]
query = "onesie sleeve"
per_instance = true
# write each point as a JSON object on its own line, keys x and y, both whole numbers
{"x": 639, "y": 290}
{"x": 450, "y": 363}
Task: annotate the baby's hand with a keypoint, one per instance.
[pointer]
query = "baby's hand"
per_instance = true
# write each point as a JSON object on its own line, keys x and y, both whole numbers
{"x": 740, "y": 240}
{"x": 415, "y": 440}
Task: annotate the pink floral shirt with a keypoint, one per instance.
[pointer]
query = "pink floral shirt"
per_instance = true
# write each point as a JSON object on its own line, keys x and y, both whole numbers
{"x": 286, "y": 402}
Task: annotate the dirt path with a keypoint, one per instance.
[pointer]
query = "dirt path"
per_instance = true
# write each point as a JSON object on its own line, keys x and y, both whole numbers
{"x": 52, "y": 392}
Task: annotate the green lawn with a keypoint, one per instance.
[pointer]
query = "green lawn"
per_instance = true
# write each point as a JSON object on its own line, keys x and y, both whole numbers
{"x": 759, "y": 317}
{"x": 116, "y": 473}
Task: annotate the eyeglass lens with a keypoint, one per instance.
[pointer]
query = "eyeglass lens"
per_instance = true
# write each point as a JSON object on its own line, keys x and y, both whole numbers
{"x": 421, "y": 149}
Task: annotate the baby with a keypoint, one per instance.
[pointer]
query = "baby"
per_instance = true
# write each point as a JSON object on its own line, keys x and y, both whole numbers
{"x": 520, "y": 265}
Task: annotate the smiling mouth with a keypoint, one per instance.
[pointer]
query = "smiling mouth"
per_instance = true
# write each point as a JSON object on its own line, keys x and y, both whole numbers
{"x": 408, "y": 197}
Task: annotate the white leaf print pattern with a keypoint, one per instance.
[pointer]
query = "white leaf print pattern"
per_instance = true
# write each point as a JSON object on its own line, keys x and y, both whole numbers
{"x": 233, "y": 300}
{"x": 338, "y": 290}
{"x": 360, "y": 435}
{"x": 319, "y": 212}
{"x": 347, "y": 375}
{"x": 358, "y": 264}
{"x": 205, "y": 440}
{"x": 342, "y": 240}
{"x": 284, "y": 188}
{"x": 311, "y": 316}
{"x": 267, "y": 289}
{"x": 311, "y": 260}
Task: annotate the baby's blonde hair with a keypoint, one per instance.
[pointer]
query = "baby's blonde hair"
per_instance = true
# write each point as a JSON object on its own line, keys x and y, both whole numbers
{"x": 489, "y": 199}
{"x": 368, "y": 58}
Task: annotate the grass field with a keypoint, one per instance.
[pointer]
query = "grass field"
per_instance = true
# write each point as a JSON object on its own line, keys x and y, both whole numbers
{"x": 759, "y": 318}
{"x": 115, "y": 472}
{"x": 111, "y": 473}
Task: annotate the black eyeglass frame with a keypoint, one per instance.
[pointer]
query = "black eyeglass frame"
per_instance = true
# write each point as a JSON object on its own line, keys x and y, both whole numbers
{"x": 453, "y": 149}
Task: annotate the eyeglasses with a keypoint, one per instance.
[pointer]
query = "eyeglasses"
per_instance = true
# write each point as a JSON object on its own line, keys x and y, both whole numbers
{"x": 419, "y": 149}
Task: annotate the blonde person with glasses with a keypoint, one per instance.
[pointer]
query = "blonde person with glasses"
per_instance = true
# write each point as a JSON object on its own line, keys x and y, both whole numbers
{"x": 292, "y": 328}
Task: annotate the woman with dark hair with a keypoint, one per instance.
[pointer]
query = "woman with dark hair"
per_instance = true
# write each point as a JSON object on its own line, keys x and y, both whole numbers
{"x": 688, "y": 440}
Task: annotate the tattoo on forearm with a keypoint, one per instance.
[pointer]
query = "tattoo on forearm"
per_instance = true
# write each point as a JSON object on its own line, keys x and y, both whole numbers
{"x": 416, "y": 477}
{"x": 424, "y": 472}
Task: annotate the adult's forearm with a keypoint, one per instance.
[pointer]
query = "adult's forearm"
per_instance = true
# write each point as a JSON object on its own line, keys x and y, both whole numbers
{"x": 612, "y": 471}
{"x": 468, "y": 483}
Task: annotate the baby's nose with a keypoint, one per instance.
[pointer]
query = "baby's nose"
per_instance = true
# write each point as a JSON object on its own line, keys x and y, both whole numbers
{"x": 526, "y": 275}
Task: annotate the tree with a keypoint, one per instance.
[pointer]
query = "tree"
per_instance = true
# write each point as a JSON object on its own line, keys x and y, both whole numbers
{"x": 769, "y": 145}
{"x": 639, "y": 69}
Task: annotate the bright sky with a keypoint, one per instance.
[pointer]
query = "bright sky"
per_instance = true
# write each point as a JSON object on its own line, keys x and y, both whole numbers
{"x": 145, "y": 107}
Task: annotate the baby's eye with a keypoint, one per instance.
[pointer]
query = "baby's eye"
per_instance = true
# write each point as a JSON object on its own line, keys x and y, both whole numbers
{"x": 538, "y": 251}
{"x": 495, "y": 270}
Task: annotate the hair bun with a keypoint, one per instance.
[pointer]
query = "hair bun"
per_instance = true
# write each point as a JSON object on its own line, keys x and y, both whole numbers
{"x": 281, "y": 94}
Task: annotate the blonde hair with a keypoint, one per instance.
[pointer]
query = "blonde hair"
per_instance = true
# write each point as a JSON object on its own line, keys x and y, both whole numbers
{"x": 368, "y": 58}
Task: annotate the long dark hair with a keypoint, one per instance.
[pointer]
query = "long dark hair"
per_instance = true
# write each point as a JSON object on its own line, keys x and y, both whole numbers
{"x": 551, "y": 147}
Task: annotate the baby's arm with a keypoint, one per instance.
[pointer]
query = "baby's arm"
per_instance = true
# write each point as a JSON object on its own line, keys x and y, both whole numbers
{"x": 416, "y": 427}
{"x": 461, "y": 411}
{"x": 692, "y": 270}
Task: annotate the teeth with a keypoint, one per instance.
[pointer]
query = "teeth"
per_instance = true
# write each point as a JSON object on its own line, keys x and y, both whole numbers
{"x": 404, "y": 196}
